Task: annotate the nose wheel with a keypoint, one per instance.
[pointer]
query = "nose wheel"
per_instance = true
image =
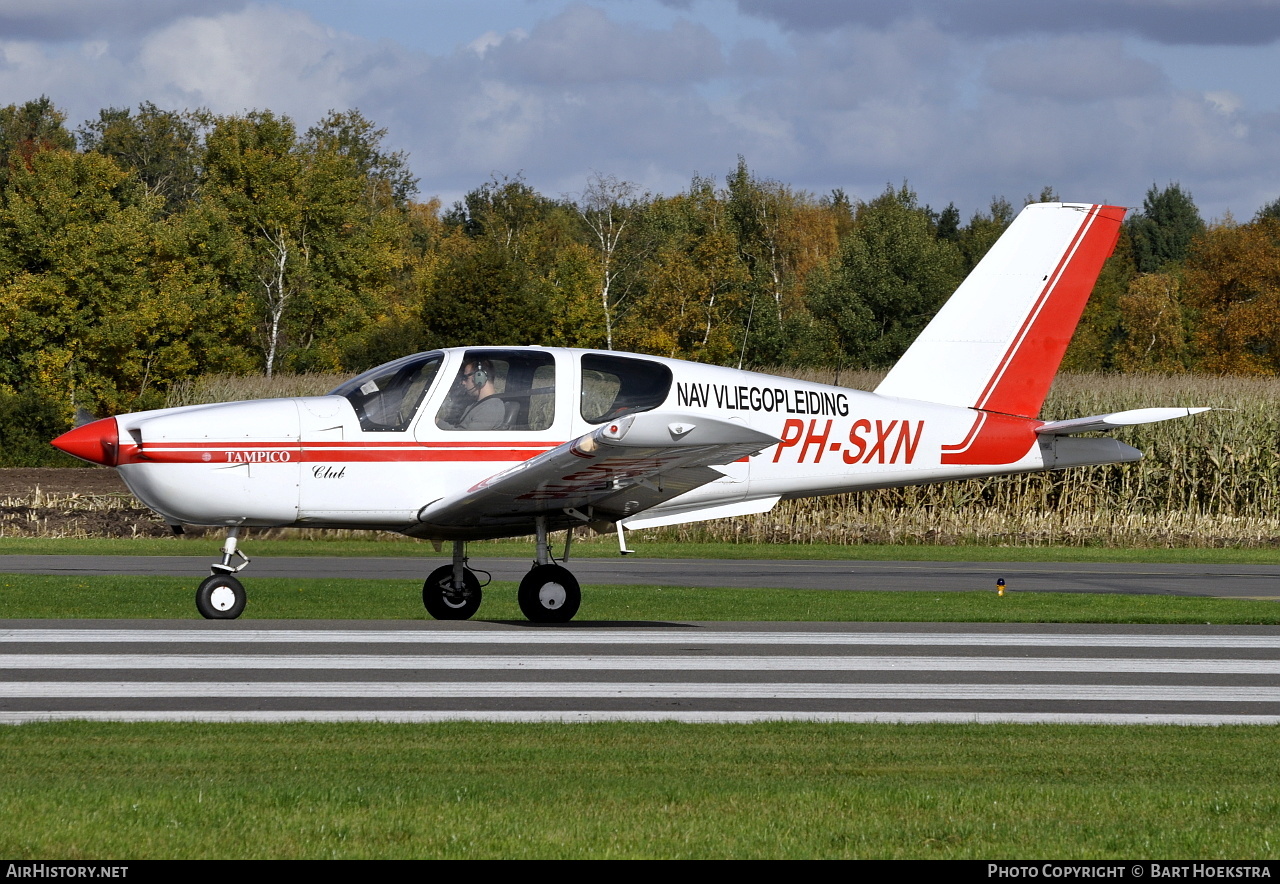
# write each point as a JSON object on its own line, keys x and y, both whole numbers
{"x": 549, "y": 594}
{"x": 220, "y": 597}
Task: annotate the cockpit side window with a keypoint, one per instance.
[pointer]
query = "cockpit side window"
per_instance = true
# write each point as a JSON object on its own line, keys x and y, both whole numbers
{"x": 387, "y": 397}
{"x": 501, "y": 390}
{"x": 616, "y": 385}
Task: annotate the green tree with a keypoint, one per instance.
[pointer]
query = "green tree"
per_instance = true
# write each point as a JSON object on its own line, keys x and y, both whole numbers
{"x": 162, "y": 147}
{"x": 352, "y": 135}
{"x": 982, "y": 231}
{"x": 1270, "y": 210}
{"x": 96, "y": 311}
{"x": 1163, "y": 232}
{"x": 479, "y": 295}
{"x": 891, "y": 277}
{"x": 301, "y": 233}
{"x": 1101, "y": 330}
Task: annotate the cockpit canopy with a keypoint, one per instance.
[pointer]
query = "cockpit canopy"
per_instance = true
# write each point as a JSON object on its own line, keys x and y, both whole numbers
{"x": 503, "y": 390}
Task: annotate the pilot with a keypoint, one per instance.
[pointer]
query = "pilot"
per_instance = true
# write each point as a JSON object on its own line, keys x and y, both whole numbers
{"x": 486, "y": 411}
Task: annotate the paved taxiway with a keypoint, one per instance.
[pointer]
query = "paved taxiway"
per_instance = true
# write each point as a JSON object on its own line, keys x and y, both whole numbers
{"x": 1225, "y": 581}
{"x": 716, "y": 672}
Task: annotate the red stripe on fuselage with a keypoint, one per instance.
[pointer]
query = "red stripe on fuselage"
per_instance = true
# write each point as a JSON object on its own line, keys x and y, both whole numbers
{"x": 236, "y": 453}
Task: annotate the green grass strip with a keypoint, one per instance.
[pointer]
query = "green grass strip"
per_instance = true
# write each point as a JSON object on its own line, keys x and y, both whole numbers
{"x": 597, "y": 547}
{"x": 617, "y": 790}
{"x": 124, "y": 597}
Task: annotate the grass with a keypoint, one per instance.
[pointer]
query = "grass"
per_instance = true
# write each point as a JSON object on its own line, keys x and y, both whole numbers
{"x": 56, "y": 596}
{"x": 616, "y": 790}
{"x": 392, "y": 545}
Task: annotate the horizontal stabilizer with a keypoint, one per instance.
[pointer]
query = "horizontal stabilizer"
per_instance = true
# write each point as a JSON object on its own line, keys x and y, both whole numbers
{"x": 1113, "y": 421}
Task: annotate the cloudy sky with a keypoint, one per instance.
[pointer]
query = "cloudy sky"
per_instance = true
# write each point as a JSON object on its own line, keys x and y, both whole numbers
{"x": 962, "y": 99}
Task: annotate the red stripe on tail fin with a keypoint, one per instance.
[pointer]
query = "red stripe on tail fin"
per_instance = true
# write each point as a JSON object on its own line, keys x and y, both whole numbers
{"x": 1020, "y": 384}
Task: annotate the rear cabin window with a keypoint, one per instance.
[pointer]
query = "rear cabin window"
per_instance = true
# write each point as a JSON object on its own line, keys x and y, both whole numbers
{"x": 387, "y": 397}
{"x": 501, "y": 390}
{"x": 616, "y": 385}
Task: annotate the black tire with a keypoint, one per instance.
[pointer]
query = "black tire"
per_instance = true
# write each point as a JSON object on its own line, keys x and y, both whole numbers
{"x": 549, "y": 594}
{"x": 221, "y": 597}
{"x": 443, "y": 602}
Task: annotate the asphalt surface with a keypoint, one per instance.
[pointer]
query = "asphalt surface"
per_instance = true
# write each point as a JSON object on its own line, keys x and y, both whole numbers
{"x": 696, "y": 672}
{"x": 721, "y": 672}
{"x": 1221, "y": 581}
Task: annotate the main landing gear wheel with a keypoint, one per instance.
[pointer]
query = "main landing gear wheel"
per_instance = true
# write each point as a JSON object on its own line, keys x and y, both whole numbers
{"x": 444, "y": 601}
{"x": 549, "y": 594}
{"x": 220, "y": 597}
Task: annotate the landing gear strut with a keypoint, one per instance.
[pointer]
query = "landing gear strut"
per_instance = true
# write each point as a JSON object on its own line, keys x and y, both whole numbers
{"x": 549, "y": 593}
{"x": 452, "y": 592}
{"x": 221, "y": 596}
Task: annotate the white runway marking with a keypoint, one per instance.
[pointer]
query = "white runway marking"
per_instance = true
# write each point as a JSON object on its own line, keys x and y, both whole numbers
{"x": 706, "y": 717}
{"x": 215, "y": 663}
{"x": 580, "y": 670}
{"x": 636, "y": 637}
{"x": 558, "y": 690}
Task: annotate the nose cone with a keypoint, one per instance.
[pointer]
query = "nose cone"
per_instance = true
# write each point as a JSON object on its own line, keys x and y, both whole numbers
{"x": 98, "y": 442}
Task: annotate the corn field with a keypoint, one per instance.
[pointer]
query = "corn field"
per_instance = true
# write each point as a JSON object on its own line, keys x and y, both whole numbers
{"x": 1209, "y": 480}
{"x": 1206, "y": 481}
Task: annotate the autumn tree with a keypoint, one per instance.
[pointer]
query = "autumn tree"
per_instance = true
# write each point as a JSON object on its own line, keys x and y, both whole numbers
{"x": 1153, "y": 325}
{"x": 28, "y": 129}
{"x": 694, "y": 300}
{"x": 1233, "y": 285}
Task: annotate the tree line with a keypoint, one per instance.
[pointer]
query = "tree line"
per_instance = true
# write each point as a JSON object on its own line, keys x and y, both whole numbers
{"x": 149, "y": 246}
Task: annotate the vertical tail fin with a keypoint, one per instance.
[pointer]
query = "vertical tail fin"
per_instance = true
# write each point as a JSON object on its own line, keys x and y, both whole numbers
{"x": 997, "y": 343}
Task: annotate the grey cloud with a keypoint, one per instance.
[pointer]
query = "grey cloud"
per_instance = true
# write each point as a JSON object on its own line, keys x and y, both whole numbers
{"x": 63, "y": 20}
{"x": 1071, "y": 70}
{"x": 846, "y": 107}
{"x": 1189, "y": 22}
{"x": 582, "y": 45}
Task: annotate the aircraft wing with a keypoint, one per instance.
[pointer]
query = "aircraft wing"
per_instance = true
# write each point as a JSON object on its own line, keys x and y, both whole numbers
{"x": 622, "y": 468}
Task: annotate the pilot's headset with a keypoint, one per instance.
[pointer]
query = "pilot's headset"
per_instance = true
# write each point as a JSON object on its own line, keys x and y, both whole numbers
{"x": 479, "y": 377}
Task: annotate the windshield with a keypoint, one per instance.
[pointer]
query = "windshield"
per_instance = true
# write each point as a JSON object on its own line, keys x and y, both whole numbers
{"x": 387, "y": 397}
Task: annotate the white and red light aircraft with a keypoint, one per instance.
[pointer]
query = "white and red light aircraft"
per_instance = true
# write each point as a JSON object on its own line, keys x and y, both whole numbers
{"x": 563, "y": 438}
